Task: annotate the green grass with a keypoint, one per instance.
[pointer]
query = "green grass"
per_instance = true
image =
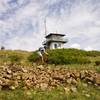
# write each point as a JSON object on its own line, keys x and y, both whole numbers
{"x": 57, "y": 56}
{"x": 16, "y": 56}
{"x": 82, "y": 93}
{"x": 69, "y": 56}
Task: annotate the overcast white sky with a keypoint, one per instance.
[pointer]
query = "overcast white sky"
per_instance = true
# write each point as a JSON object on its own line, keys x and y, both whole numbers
{"x": 22, "y": 22}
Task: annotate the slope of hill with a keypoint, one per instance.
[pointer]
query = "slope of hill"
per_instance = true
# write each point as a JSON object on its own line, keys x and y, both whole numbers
{"x": 68, "y": 74}
{"x": 58, "y": 56}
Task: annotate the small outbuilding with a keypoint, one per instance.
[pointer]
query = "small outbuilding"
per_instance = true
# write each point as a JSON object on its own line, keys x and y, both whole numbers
{"x": 54, "y": 41}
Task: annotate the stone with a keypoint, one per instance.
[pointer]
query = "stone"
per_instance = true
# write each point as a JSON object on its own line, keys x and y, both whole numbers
{"x": 82, "y": 74}
{"x": 68, "y": 75}
{"x": 77, "y": 74}
{"x": 89, "y": 83}
{"x": 25, "y": 76}
{"x": 37, "y": 86}
{"x": 85, "y": 84}
{"x": 24, "y": 70}
{"x": 0, "y": 87}
{"x": 43, "y": 86}
{"x": 40, "y": 67}
{"x": 34, "y": 64}
{"x": 9, "y": 71}
{"x": 73, "y": 89}
{"x": 1, "y": 82}
{"x": 15, "y": 74}
{"x": 99, "y": 88}
{"x": 97, "y": 80}
{"x": 44, "y": 77}
{"x": 28, "y": 93}
{"x": 12, "y": 87}
{"x": 96, "y": 85}
{"x": 28, "y": 83}
{"x": 84, "y": 91}
{"x": 69, "y": 81}
{"x": 18, "y": 77}
{"x": 61, "y": 77}
{"x": 7, "y": 76}
{"x": 16, "y": 83}
{"x": 66, "y": 89}
{"x": 74, "y": 81}
{"x": 87, "y": 95}
{"x": 89, "y": 79}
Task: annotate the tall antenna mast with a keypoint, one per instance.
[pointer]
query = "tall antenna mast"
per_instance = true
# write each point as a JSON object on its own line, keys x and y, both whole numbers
{"x": 45, "y": 27}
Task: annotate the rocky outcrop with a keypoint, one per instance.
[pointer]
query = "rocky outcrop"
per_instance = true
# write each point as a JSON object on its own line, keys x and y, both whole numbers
{"x": 12, "y": 77}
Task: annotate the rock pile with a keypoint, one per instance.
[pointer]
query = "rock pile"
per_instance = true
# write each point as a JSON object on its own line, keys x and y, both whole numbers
{"x": 12, "y": 77}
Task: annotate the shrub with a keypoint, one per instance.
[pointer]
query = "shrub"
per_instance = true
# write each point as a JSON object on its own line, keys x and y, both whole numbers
{"x": 97, "y": 63}
{"x": 67, "y": 56}
{"x": 93, "y": 53}
{"x": 15, "y": 58}
{"x": 68, "y": 60}
{"x": 2, "y": 48}
{"x": 98, "y": 69}
{"x": 63, "y": 56}
{"x": 32, "y": 57}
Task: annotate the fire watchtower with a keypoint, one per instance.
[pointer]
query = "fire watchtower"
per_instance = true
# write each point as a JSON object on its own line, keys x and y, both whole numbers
{"x": 54, "y": 41}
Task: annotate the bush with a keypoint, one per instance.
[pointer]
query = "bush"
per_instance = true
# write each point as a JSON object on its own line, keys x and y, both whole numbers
{"x": 67, "y": 56}
{"x": 93, "y": 53}
{"x": 63, "y": 56}
{"x": 33, "y": 57}
{"x": 15, "y": 58}
{"x": 68, "y": 60}
{"x": 97, "y": 63}
{"x": 2, "y": 48}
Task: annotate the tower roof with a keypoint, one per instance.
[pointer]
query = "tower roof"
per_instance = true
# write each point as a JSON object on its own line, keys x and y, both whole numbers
{"x": 54, "y": 34}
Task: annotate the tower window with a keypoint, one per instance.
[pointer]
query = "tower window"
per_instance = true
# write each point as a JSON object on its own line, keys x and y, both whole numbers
{"x": 55, "y": 45}
{"x": 59, "y": 45}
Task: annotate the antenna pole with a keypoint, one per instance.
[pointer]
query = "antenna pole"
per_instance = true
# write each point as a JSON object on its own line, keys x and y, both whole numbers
{"x": 45, "y": 27}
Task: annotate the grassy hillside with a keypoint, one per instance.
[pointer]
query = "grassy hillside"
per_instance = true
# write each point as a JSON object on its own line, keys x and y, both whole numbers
{"x": 72, "y": 75}
{"x": 71, "y": 58}
{"x": 57, "y": 57}
{"x": 15, "y": 56}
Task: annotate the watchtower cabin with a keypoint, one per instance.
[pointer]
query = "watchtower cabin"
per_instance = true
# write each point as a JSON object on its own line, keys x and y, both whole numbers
{"x": 54, "y": 41}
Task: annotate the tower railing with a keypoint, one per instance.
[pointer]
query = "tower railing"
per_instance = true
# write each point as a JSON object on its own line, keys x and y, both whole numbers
{"x": 52, "y": 39}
